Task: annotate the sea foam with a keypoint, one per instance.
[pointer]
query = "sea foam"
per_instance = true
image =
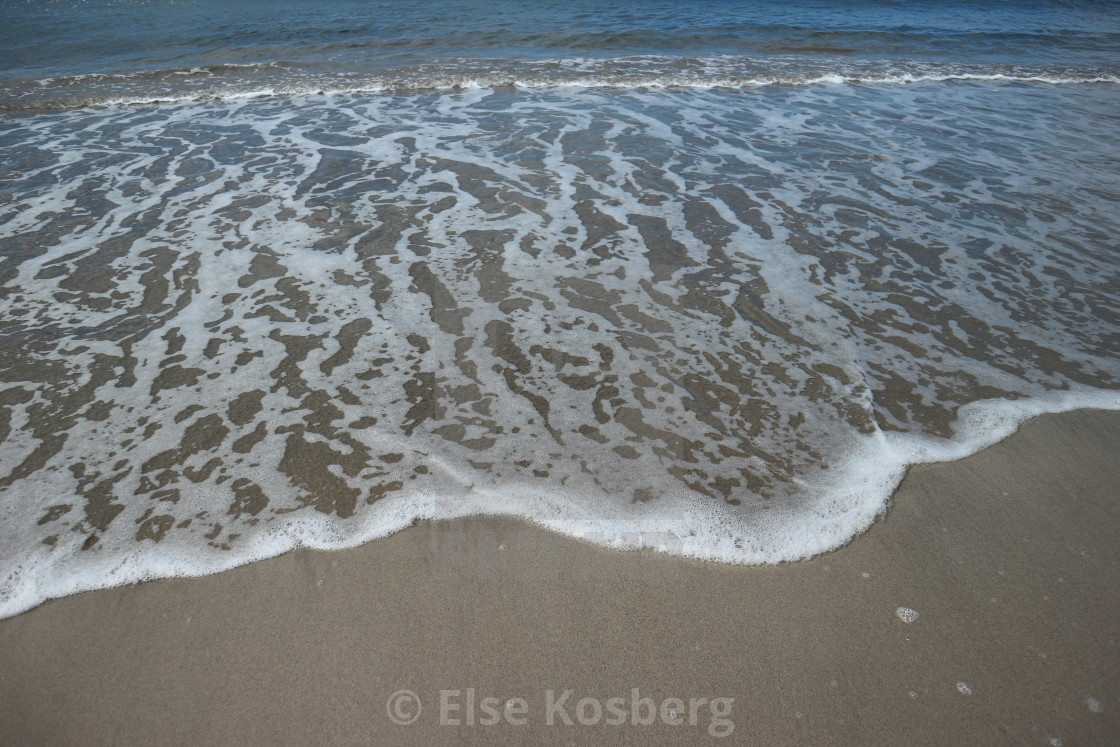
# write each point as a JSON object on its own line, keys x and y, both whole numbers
{"x": 684, "y": 320}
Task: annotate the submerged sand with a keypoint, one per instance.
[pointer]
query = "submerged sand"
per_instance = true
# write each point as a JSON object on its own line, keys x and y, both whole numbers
{"x": 1009, "y": 558}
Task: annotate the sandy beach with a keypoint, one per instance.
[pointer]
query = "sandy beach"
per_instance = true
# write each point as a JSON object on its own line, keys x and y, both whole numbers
{"x": 1009, "y": 558}
{"x": 290, "y": 290}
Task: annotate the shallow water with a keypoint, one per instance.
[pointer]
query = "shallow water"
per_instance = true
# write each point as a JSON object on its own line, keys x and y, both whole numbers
{"x": 716, "y": 313}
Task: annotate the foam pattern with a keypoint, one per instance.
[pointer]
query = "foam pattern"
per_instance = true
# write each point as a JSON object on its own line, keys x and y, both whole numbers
{"x": 719, "y": 323}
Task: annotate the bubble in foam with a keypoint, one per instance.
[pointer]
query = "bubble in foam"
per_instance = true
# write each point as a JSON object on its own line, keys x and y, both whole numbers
{"x": 1094, "y": 705}
{"x": 906, "y": 615}
{"x": 963, "y": 688}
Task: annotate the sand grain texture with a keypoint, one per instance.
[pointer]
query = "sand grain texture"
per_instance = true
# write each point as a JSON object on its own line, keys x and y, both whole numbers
{"x": 1009, "y": 558}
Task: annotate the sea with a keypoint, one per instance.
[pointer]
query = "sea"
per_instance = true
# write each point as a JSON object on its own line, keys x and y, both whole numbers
{"x": 696, "y": 277}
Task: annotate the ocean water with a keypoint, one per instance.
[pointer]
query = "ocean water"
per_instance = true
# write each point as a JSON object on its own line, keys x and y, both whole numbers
{"x": 698, "y": 277}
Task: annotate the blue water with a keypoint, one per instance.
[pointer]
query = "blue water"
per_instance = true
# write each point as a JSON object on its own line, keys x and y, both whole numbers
{"x": 51, "y": 38}
{"x": 347, "y": 43}
{"x": 703, "y": 277}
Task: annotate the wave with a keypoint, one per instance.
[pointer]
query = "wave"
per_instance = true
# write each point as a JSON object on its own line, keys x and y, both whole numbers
{"x": 850, "y": 509}
{"x": 232, "y": 82}
{"x": 717, "y": 327}
{"x": 139, "y": 75}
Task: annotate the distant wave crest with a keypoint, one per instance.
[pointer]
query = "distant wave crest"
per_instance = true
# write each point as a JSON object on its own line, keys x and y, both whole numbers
{"x": 279, "y": 79}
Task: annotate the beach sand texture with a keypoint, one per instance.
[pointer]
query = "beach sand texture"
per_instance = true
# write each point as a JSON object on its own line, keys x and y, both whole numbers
{"x": 561, "y": 372}
{"x": 1009, "y": 558}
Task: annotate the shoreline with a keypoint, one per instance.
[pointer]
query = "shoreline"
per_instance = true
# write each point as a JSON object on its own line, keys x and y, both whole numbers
{"x": 1008, "y": 556}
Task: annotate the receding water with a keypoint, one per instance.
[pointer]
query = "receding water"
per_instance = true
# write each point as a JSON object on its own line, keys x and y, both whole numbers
{"x": 705, "y": 296}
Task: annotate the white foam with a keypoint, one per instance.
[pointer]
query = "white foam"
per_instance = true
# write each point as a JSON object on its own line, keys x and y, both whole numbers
{"x": 458, "y": 84}
{"x": 906, "y": 615}
{"x": 419, "y": 151}
{"x": 240, "y": 82}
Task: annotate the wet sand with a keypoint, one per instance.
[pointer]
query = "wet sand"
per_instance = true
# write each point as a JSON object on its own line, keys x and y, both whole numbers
{"x": 1009, "y": 557}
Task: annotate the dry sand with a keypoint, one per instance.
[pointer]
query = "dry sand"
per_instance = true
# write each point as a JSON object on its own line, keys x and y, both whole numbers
{"x": 1010, "y": 558}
